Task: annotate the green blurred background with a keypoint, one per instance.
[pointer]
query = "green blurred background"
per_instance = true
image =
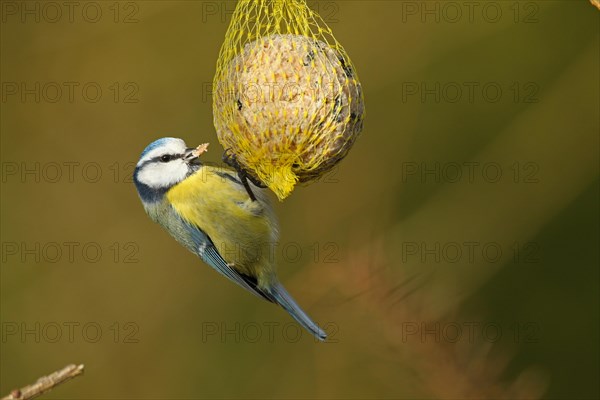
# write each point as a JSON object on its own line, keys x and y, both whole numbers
{"x": 432, "y": 285}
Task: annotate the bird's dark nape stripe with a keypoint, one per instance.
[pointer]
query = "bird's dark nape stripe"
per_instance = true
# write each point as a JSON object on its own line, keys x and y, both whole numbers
{"x": 148, "y": 194}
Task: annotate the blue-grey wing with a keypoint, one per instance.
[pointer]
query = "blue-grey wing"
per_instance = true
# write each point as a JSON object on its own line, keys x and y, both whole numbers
{"x": 205, "y": 248}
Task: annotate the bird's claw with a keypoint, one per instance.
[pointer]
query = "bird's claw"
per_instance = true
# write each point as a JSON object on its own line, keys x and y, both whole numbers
{"x": 230, "y": 159}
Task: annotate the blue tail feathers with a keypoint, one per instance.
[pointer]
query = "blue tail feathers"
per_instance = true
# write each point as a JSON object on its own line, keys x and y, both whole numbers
{"x": 285, "y": 300}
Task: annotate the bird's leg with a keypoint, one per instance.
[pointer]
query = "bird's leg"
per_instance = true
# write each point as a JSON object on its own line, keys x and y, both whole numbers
{"x": 244, "y": 179}
{"x": 231, "y": 160}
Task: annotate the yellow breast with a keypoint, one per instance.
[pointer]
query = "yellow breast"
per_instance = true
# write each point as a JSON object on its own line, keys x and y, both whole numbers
{"x": 244, "y": 231}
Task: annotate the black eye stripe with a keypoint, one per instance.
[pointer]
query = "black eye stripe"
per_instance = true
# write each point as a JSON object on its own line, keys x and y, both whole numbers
{"x": 157, "y": 159}
{"x": 172, "y": 157}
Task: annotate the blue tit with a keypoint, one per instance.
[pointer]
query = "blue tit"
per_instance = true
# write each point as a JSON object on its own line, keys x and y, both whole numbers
{"x": 208, "y": 210}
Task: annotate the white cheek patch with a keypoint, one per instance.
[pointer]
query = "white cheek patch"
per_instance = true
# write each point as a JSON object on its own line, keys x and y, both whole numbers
{"x": 159, "y": 175}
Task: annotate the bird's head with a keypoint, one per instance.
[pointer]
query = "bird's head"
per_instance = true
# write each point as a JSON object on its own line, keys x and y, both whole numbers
{"x": 162, "y": 165}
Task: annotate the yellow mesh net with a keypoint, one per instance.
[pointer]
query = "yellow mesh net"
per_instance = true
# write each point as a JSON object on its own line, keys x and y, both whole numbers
{"x": 287, "y": 100}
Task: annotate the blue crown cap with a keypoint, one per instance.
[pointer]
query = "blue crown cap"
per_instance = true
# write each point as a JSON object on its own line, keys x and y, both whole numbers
{"x": 156, "y": 144}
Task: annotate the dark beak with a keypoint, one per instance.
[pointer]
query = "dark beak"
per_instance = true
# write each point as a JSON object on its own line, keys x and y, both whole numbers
{"x": 190, "y": 156}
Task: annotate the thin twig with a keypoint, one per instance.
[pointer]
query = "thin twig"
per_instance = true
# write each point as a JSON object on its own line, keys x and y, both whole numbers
{"x": 46, "y": 383}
